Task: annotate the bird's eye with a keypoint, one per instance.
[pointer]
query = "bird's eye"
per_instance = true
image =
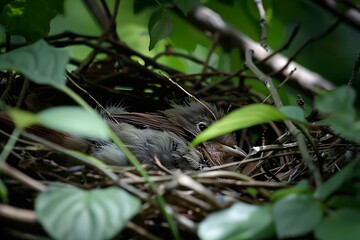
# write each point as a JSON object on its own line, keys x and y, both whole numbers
{"x": 201, "y": 126}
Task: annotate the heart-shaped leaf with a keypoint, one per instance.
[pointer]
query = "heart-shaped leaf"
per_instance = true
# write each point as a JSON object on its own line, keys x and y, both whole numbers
{"x": 41, "y": 63}
{"x": 69, "y": 213}
{"x": 160, "y": 26}
{"x": 240, "y": 221}
{"x": 343, "y": 224}
{"x": 296, "y": 215}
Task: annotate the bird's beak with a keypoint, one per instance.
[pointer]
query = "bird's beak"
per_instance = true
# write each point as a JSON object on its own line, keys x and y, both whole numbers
{"x": 234, "y": 151}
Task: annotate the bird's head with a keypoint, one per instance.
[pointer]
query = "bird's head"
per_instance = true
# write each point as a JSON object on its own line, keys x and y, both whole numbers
{"x": 194, "y": 117}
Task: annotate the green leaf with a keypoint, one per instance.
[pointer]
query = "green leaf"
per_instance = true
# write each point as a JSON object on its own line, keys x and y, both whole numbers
{"x": 71, "y": 213}
{"x": 41, "y": 63}
{"x": 23, "y": 18}
{"x": 296, "y": 215}
{"x": 338, "y": 107}
{"x": 293, "y": 112}
{"x": 335, "y": 182}
{"x": 3, "y": 192}
{"x": 340, "y": 99}
{"x": 186, "y": 5}
{"x": 300, "y": 188}
{"x": 160, "y": 26}
{"x": 21, "y": 118}
{"x": 343, "y": 224}
{"x": 244, "y": 117}
{"x": 344, "y": 202}
{"x": 74, "y": 120}
{"x": 240, "y": 221}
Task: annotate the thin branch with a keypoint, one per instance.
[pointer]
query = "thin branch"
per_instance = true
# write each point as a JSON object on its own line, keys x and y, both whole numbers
{"x": 300, "y": 138}
{"x": 262, "y": 13}
{"x": 207, "y": 20}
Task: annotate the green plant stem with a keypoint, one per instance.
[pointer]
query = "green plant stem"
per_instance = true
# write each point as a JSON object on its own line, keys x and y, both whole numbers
{"x": 300, "y": 138}
{"x": 159, "y": 199}
{"x": 13, "y": 172}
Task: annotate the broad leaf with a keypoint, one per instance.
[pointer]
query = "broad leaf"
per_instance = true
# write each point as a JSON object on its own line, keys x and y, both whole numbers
{"x": 296, "y": 215}
{"x": 293, "y": 112}
{"x": 343, "y": 224}
{"x": 340, "y": 99}
{"x": 300, "y": 188}
{"x": 339, "y": 111}
{"x": 41, "y": 63}
{"x": 240, "y": 221}
{"x": 335, "y": 182}
{"x": 160, "y": 26}
{"x": 74, "y": 120}
{"x": 71, "y": 213}
{"x": 244, "y": 117}
{"x": 24, "y": 18}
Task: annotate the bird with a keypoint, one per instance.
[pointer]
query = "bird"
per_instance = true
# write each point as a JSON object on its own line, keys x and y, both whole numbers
{"x": 164, "y": 135}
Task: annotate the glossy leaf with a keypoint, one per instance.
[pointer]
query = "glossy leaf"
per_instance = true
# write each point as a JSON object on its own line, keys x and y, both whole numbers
{"x": 296, "y": 215}
{"x": 335, "y": 182}
{"x": 240, "y": 221}
{"x": 244, "y": 117}
{"x": 74, "y": 120}
{"x": 343, "y": 224}
{"x": 68, "y": 213}
{"x": 160, "y": 26}
{"x": 24, "y": 18}
{"x": 41, "y": 63}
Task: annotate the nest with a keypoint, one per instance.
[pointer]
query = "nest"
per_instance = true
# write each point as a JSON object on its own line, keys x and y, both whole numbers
{"x": 191, "y": 196}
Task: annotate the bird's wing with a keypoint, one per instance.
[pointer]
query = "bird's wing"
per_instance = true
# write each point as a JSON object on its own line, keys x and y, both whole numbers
{"x": 150, "y": 120}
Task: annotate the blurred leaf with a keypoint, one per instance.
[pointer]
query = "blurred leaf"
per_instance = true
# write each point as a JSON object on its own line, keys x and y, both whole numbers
{"x": 186, "y": 5}
{"x": 22, "y": 17}
{"x": 67, "y": 212}
{"x": 335, "y": 182}
{"x": 344, "y": 202}
{"x": 300, "y": 188}
{"x": 343, "y": 224}
{"x": 3, "y": 192}
{"x": 2, "y": 33}
{"x": 240, "y": 221}
{"x": 41, "y": 63}
{"x": 293, "y": 112}
{"x": 338, "y": 106}
{"x": 340, "y": 99}
{"x": 140, "y": 5}
{"x": 244, "y": 117}
{"x": 160, "y": 26}
{"x": 296, "y": 215}
{"x": 74, "y": 120}
{"x": 21, "y": 118}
